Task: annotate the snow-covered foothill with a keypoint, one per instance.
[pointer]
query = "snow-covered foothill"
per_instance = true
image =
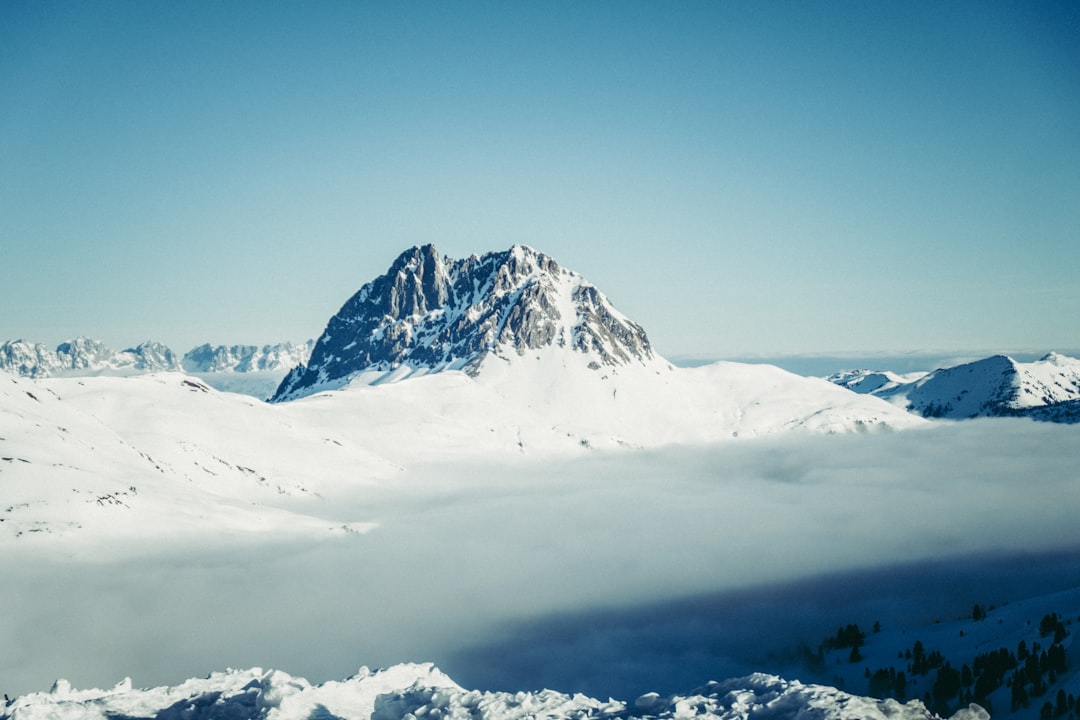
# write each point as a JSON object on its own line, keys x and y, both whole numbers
{"x": 419, "y": 691}
{"x": 121, "y": 456}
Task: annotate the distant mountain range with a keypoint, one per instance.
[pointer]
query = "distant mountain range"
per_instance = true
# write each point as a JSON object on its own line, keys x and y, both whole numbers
{"x": 998, "y": 386}
{"x": 248, "y": 369}
{"x": 83, "y": 356}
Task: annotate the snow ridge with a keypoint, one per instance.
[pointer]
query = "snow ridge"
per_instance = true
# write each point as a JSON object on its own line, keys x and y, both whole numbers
{"x": 430, "y": 313}
{"x": 421, "y": 690}
{"x": 1047, "y": 389}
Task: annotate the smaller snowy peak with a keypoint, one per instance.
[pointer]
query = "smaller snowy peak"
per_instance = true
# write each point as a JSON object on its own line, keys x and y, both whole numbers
{"x": 430, "y": 312}
{"x": 404, "y": 691}
{"x": 147, "y": 357}
{"x": 282, "y": 357}
{"x": 994, "y": 386}
{"x": 868, "y": 382}
{"x": 83, "y": 353}
{"x": 33, "y": 360}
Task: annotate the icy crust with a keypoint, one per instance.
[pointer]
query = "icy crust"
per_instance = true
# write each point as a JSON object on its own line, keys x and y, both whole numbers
{"x": 412, "y": 691}
{"x": 432, "y": 313}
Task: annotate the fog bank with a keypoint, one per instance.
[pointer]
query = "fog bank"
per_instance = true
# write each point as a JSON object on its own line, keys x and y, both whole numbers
{"x": 616, "y": 571}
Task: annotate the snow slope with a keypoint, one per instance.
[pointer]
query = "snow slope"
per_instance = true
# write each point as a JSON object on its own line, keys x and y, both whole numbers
{"x": 993, "y": 386}
{"x": 85, "y": 451}
{"x": 121, "y": 456}
{"x": 417, "y": 691}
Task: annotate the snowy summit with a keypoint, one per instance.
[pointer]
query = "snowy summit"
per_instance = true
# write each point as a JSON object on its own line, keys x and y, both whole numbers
{"x": 430, "y": 313}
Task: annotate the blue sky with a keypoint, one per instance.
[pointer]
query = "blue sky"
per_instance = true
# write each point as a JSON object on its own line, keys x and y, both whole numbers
{"x": 739, "y": 177}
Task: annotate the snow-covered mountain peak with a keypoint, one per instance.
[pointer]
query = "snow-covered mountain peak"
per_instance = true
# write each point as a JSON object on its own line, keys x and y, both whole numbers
{"x": 84, "y": 353}
{"x": 430, "y": 312}
{"x": 992, "y": 386}
{"x": 1058, "y": 360}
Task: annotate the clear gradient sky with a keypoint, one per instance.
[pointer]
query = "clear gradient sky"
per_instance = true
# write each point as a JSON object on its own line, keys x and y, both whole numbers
{"x": 739, "y": 177}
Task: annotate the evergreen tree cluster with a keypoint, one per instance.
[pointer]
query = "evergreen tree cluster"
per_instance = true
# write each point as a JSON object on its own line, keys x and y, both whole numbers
{"x": 1027, "y": 680}
{"x": 848, "y": 636}
{"x": 1051, "y": 625}
{"x": 1029, "y": 672}
{"x": 887, "y": 682}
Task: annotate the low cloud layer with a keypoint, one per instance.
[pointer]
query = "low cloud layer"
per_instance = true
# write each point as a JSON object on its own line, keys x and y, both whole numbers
{"x": 607, "y": 574}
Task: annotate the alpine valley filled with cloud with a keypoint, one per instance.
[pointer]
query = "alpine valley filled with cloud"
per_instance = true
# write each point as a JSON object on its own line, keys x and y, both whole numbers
{"x": 483, "y": 478}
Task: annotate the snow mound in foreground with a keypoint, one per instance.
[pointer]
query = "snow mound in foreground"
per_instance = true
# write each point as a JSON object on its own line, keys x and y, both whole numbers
{"x": 416, "y": 691}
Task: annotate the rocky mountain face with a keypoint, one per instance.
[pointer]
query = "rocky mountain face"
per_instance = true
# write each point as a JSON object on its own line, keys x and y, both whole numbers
{"x": 84, "y": 356}
{"x": 430, "y": 313}
{"x": 246, "y": 358}
{"x": 1047, "y": 389}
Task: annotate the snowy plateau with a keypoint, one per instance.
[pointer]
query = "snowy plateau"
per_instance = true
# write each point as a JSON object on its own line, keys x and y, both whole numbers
{"x": 483, "y": 464}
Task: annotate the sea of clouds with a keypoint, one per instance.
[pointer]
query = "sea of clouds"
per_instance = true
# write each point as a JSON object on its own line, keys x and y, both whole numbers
{"x": 612, "y": 574}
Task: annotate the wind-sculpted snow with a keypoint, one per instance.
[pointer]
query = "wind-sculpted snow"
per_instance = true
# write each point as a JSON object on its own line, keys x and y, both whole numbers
{"x": 422, "y": 691}
{"x": 430, "y": 313}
